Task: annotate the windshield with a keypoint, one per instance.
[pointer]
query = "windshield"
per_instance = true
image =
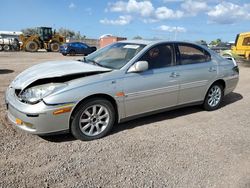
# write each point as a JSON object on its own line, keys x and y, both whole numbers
{"x": 114, "y": 56}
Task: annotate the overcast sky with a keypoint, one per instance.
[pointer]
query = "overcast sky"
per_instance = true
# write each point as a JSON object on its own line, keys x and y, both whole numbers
{"x": 165, "y": 19}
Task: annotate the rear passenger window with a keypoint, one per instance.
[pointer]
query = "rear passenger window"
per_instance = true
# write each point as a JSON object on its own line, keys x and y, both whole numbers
{"x": 83, "y": 46}
{"x": 75, "y": 45}
{"x": 190, "y": 54}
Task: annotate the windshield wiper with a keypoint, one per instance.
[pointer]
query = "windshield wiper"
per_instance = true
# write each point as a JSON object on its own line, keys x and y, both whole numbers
{"x": 84, "y": 59}
{"x": 94, "y": 62}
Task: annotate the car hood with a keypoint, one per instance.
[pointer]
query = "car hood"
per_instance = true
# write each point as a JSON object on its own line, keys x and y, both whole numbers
{"x": 54, "y": 69}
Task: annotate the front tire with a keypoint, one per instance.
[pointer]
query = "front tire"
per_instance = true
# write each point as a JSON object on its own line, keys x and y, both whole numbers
{"x": 54, "y": 47}
{"x": 93, "y": 119}
{"x": 31, "y": 46}
{"x": 214, "y": 97}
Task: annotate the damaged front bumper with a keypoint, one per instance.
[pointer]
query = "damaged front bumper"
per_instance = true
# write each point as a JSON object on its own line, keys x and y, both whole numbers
{"x": 39, "y": 118}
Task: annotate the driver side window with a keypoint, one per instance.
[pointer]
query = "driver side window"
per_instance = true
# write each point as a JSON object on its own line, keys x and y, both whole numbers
{"x": 159, "y": 56}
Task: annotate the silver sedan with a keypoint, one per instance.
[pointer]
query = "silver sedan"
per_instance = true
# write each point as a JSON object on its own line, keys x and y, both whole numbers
{"x": 122, "y": 81}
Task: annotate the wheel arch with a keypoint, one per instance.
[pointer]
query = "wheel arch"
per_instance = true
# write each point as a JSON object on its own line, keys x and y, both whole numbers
{"x": 219, "y": 81}
{"x": 53, "y": 41}
{"x": 99, "y": 95}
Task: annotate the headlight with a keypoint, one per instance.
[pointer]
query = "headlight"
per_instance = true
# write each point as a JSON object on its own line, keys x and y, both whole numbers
{"x": 36, "y": 93}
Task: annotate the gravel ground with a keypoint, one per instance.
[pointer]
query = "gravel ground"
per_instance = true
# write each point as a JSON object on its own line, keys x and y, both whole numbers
{"x": 183, "y": 148}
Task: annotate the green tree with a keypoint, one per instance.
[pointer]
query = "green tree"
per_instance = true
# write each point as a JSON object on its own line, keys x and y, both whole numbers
{"x": 66, "y": 32}
{"x": 215, "y": 42}
{"x": 78, "y": 36}
{"x": 137, "y": 37}
{"x": 202, "y": 42}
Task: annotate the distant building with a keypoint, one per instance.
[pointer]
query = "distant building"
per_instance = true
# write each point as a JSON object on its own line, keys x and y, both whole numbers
{"x": 108, "y": 39}
{"x": 10, "y": 34}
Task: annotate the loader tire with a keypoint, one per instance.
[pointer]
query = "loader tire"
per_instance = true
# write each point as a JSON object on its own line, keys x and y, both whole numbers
{"x": 54, "y": 47}
{"x": 1, "y": 47}
{"x": 31, "y": 46}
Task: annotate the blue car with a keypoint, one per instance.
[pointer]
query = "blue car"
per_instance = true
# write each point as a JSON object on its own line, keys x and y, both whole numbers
{"x": 73, "y": 48}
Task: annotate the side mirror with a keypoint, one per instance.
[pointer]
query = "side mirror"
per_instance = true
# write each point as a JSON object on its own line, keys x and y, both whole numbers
{"x": 139, "y": 66}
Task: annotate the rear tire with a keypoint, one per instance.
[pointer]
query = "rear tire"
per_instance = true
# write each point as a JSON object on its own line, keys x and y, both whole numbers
{"x": 54, "y": 47}
{"x": 93, "y": 119}
{"x": 31, "y": 46}
{"x": 214, "y": 97}
{"x": 6, "y": 47}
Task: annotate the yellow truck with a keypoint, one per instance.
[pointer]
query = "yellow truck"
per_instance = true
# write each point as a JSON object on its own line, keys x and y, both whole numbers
{"x": 242, "y": 45}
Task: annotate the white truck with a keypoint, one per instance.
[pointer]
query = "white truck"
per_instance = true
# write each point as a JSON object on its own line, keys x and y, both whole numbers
{"x": 8, "y": 44}
{"x": 9, "y": 40}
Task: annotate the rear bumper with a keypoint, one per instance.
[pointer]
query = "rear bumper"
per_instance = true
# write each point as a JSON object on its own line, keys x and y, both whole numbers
{"x": 36, "y": 119}
{"x": 231, "y": 84}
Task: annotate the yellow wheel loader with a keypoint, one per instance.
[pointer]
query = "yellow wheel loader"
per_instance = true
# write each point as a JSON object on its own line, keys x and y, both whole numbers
{"x": 44, "y": 39}
{"x": 242, "y": 45}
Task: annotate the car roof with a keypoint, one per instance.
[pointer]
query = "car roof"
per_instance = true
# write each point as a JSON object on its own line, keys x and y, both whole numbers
{"x": 153, "y": 42}
{"x": 145, "y": 42}
{"x": 75, "y": 43}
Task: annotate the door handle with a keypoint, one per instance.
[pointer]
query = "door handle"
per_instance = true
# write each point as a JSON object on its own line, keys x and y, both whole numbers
{"x": 174, "y": 75}
{"x": 212, "y": 69}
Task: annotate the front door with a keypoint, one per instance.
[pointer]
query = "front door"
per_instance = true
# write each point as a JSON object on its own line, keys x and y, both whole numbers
{"x": 156, "y": 88}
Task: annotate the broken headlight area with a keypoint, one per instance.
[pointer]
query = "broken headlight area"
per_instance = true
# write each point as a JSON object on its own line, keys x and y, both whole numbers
{"x": 35, "y": 94}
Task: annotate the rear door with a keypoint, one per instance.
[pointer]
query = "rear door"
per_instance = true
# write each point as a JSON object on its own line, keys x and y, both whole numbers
{"x": 84, "y": 49}
{"x": 78, "y": 48}
{"x": 74, "y": 47}
{"x": 197, "y": 72}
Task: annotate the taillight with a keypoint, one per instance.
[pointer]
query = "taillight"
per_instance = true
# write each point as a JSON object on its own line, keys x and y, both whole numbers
{"x": 236, "y": 69}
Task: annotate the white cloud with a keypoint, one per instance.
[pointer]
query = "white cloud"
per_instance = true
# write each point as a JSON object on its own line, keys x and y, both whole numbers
{"x": 229, "y": 13}
{"x": 72, "y": 5}
{"x": 119, "y": 6}
{"x": 171, "y": 29}
{"x": 150, "y": 20}
{"x": 163, "y": 13}
{"x": 218, "y": 11}
{"x": 193, "y": 7}
{"x": 144, "y": 8}
{"x": 122, "y": 20}
{"x": 172, "y": 1}
{"x": 88, "y": 11}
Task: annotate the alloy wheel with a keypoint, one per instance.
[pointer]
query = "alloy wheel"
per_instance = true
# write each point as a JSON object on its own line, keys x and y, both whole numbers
{"x": 214, "y": 96}
{"x": 94, "y": 120}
